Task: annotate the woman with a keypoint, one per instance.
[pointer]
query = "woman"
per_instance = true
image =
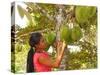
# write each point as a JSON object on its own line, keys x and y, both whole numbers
{"x": 38, "y": 59}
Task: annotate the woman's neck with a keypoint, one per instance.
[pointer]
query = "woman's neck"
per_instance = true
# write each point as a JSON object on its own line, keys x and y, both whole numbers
{"x": 39, "y": 50}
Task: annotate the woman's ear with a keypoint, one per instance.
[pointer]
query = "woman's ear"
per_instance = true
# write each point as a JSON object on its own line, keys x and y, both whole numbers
{"x": 37, "y": 45}
{"x": 34, "y": 48}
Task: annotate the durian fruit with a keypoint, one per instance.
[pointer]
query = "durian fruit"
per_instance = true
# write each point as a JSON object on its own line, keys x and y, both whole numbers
{"x": 76, "y": 33}
{"x": 65, "y": 34}
{"x": 84, "y": 13}
{"x": 70, "y": 40}
{"x": 91, "y": 12}
{"x": 50, "y": 38}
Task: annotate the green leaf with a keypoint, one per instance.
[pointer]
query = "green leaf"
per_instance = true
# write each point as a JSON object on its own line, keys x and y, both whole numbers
{"x": 23, "y": 12}
{"x": 29, "y": 4}
{"x": 20, "y": 10}
{"x": 27, "y": 15}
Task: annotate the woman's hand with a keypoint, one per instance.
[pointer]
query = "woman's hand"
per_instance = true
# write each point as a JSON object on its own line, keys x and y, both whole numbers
{"x": 60, "y": 47}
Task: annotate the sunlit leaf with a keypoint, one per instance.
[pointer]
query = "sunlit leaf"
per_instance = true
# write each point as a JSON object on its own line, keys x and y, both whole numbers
{"x": 21, "y": 12}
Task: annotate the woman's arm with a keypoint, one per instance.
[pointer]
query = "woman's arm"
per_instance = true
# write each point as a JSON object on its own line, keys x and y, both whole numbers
{"x": 49, "y": 62}
{"x": 53, "y": 63}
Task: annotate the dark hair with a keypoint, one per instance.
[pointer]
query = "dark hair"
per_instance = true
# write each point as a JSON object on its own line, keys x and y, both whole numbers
{"x": 34, "y": 39}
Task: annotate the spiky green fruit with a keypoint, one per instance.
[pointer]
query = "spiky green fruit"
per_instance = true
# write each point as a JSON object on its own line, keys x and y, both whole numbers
{"x": 50, "y": 38}
{"x": 76, "y": 33}
{"x": 84, "y": 13}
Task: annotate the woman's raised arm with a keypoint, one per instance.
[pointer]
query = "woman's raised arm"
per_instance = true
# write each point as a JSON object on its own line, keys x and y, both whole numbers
{"x": 54, "y": 63}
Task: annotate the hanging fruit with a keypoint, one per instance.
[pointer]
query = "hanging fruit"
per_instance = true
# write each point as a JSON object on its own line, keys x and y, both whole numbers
{"x": 83, "y": 14}
{"x": 65, "y": 34}
{"x": 76, "y": 33}
{"x": 50, "y": 38}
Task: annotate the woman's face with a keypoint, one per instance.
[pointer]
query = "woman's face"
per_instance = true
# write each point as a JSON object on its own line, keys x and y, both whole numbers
{"x": 42, "y": 44}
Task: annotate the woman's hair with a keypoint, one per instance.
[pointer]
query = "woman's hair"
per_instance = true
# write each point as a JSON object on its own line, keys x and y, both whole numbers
{"x": 34, "y": 39}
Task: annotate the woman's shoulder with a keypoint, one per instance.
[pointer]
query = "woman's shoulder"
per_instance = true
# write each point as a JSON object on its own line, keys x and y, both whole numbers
{"x": 41, "y": 54}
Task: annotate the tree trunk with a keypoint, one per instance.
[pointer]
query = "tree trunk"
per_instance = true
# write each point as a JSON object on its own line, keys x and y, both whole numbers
{"x": 59, "y": 19}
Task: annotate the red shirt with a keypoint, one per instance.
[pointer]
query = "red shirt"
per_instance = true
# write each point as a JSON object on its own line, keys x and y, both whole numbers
{"x": 37, "y": 65}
